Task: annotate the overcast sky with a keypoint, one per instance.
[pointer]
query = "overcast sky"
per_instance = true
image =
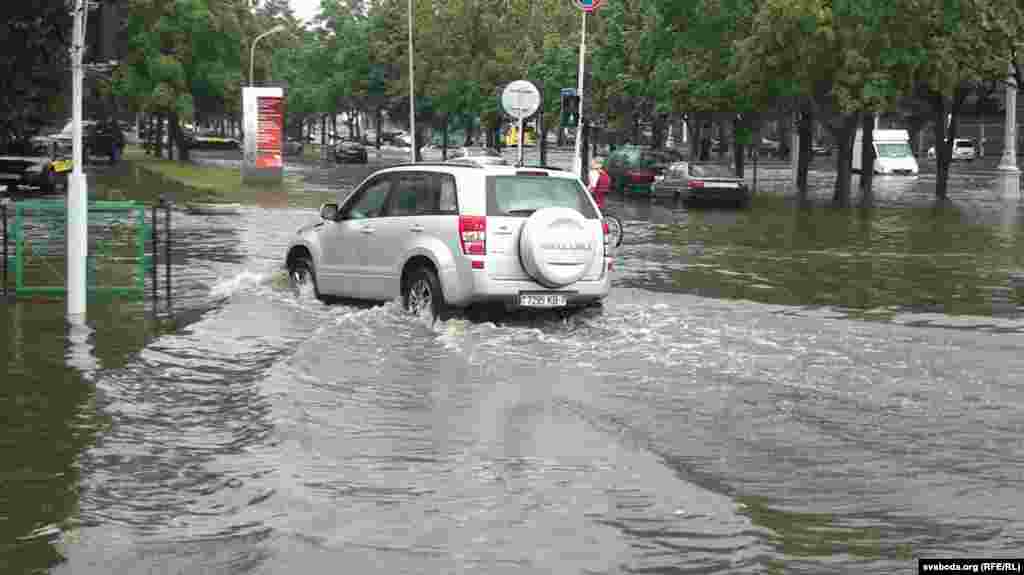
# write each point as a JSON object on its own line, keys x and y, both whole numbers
{"x": 305, "y": 9}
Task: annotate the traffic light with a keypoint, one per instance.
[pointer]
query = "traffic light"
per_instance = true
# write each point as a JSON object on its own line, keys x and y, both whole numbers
{"x": 570, "y": 108}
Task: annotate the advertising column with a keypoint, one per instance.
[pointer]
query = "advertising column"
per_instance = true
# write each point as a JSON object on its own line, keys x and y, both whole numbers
{"x": 263, "y": 117}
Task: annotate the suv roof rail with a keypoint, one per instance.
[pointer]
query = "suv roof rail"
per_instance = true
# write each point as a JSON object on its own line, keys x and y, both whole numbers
{"x": 447, "y": 164}
{"x": 544, "y": 167}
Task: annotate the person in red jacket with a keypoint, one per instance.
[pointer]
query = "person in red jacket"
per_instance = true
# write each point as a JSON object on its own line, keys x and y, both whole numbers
{"x": 600, "y": 181}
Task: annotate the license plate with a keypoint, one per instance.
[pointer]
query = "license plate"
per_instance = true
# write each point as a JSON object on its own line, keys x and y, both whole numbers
{"x": 542, "y": 300}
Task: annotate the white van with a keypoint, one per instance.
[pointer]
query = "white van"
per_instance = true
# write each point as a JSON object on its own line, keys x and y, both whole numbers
{"x": 892, "y": 153}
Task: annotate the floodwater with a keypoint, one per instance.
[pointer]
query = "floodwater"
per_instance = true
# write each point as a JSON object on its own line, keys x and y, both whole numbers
{"x": 778, "y": 390}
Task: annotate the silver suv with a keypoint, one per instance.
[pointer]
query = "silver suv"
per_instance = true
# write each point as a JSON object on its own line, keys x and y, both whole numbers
{"x": 449, "y": 235}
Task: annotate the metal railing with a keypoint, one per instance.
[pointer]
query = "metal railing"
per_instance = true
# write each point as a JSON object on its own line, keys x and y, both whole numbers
{"x": 34, "y": 247}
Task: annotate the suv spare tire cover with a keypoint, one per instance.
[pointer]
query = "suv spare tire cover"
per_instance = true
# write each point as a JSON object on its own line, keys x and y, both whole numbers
{"x": 556, "y": 247}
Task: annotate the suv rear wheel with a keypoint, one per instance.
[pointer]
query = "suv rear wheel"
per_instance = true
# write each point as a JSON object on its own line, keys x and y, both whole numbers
{"x": 422, "y": 296}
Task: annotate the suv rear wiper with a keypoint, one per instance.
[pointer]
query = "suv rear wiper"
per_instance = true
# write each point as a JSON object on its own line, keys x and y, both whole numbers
{"x": 523, "y": 212}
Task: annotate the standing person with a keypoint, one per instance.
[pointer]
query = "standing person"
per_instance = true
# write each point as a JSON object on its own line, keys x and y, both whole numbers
{"x": 600, "y": 181}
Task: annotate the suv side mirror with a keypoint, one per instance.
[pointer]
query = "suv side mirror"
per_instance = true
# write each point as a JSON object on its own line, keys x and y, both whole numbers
{"x": 329, "y": 211}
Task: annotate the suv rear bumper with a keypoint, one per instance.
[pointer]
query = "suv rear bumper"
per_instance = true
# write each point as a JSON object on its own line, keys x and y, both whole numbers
{"x": 469, "y": 286}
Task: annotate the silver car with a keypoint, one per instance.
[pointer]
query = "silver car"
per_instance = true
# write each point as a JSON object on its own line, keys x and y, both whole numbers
{"x": 695, "y": 183}
{"x": 449, "y": 235}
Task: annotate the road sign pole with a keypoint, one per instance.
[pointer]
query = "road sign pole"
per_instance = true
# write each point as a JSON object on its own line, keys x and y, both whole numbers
{"x": 521, "y": 138}
{"x": 577, "y": 161}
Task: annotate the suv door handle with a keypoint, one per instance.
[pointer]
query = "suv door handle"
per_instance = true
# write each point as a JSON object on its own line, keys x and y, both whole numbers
{"x": 415, "y": 228}
{"x": 367, "y": 230}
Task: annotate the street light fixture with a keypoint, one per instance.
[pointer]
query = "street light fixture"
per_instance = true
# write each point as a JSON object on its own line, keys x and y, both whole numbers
{"x": 252, "y": 49}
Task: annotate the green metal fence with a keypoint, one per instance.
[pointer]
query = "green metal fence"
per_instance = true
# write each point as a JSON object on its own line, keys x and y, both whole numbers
{"x": 117, "y": 262}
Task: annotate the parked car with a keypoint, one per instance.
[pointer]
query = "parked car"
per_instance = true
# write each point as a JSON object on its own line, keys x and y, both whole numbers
{"x": 964, "y": 149}
{"x": 479, "y": 154}
{"x": 98, "y": 139}
{"x": 821, "y": 150}
{"x": 293, "y": 146}
{"x": 444, "y": 236}
{"x": 211, "y": 141}
{"x": 703, "y": 183}
{"x": 633, "y": 168}
{"x": 41, "y": 163}
{"x": 350, "y": 151}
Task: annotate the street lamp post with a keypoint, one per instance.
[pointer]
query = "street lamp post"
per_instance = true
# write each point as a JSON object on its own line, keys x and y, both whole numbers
{"x": 412, "y": 98}
{"x": 252, "y": 49}
{"x": 77, "y": 202}
{"x": 1008, "y": 163}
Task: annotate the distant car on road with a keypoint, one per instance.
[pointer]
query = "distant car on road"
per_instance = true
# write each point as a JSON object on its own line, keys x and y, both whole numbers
{"x": 350, "y": 151}
{"x": 41, "y": 163}
{"x": 634, "y": 168}
{"x": 964, "y": 149}
{"x": 703, "y": 183}
{"x": 293, "y": 146}
{"x": 98, "y": 139}
{"x": 480, "y": 152}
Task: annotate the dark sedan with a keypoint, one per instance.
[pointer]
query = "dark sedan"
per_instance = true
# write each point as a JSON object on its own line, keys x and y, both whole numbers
{"x": 350, "y": 151}
{"x": 42, "y": 164}
{"x": 699, "y": 183}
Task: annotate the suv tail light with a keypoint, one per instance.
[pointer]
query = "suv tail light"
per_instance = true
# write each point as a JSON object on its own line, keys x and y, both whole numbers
{"x": 694, "y": 184}
{"x": 473, "y": 234}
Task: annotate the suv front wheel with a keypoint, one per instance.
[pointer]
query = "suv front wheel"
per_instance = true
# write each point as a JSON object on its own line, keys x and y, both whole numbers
{"x": 422, "y": 296}
{"x": 301, "y": 273}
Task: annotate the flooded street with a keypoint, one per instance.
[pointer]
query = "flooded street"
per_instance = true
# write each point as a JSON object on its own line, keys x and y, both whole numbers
{"x": 776, "y": 390}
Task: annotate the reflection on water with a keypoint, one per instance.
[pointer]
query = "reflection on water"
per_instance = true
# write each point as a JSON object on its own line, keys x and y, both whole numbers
{"x": 903, "y": 254}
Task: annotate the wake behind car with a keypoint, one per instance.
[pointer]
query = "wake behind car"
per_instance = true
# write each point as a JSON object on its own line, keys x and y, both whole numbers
{"x": 41, "y": 163}
{"x": 450, "y": 235}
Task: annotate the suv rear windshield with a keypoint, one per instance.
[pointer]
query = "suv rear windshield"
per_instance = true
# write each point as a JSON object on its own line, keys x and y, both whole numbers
{"x": 711, "y": 171}
{"x": 964, "y": 144}
{"x": 523, "y": 195}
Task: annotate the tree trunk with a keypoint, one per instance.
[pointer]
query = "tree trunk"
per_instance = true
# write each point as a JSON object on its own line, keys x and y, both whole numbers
{"x": 844, "y": 137}
{"x": 324, "y": 155}
{"x": 179, "y": 139}
{"x": 696, "y": 138}
{"x": 658, "y": 131}
{"x": 444, "y": 138}
{"x": 806, "y": 132}
{"x": 737, "y": 125}
{"x": 585, "y": 148}
{"x": 943, "y": 151}
{"x": 542, "y": 130}
{"x": 420, "y": 137}
{"x": 377, "y": 116}
{"x": 159, "y": 136}
{"x": 785, "y": 129}
{"x": 867, "y": 158}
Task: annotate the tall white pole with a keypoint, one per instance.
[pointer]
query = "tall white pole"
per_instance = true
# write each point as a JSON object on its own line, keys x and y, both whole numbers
{"x": 412, "y": 96}
{"x": 1008, "y": 163}
{"x": 521, "y": 138}
{"x": 77, "y": 202}
{"x": 577, "y": 161}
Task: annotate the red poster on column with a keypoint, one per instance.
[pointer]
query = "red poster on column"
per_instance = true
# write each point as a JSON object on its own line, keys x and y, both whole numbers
{"x": 269, "y": 126}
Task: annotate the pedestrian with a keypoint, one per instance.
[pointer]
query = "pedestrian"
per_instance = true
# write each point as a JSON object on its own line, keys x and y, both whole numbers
{"x": 600, "y": 181}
